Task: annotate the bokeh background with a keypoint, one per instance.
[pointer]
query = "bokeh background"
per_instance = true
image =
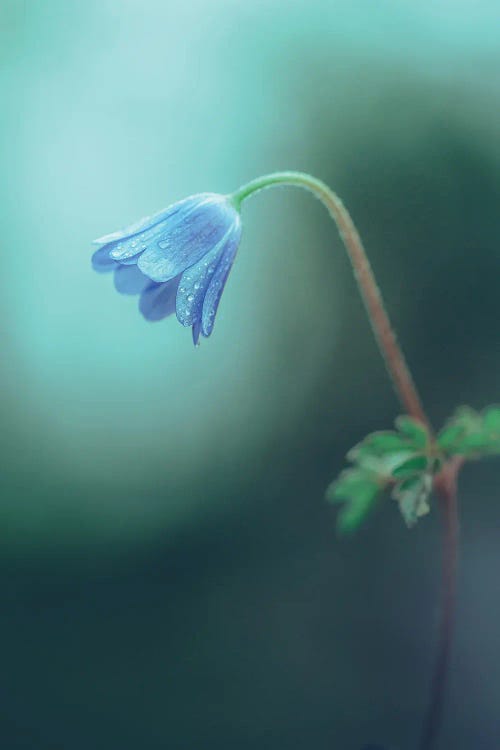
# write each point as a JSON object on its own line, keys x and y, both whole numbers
{"x": 170, "y": 576}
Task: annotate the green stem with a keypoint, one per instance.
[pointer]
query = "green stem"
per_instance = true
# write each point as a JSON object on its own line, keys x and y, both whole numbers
{"x": 384, "y": 334}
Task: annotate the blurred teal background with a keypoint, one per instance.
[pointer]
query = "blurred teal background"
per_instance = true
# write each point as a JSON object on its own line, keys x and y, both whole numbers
{"x": 170, "y": 574}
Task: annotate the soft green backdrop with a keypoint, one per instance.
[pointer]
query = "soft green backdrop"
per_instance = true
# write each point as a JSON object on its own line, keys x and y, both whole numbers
{"x": 170, "y": 572}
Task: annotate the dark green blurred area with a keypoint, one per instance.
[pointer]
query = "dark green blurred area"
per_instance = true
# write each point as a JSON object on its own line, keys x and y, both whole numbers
{"x": 171, "y": 577}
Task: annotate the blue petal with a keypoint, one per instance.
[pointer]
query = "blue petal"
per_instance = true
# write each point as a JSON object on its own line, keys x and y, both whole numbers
{"x": 196, "y": 329}
{"x": 217, "y": 283}
{"x": 128, "y": 261}
{"x": 125, "y": 245}
{"x": 192, "y": 233}
{"x": 139, "y": 226}
{"x": 136, "y": 243}
{"x": 129, "y": 280}
{"x": 157, "y": 301}
{"x": 101, "y": 262}
{"x": 196, "y": 281}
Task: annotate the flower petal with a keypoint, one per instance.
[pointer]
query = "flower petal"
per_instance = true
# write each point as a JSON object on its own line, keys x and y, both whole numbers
{"x": 101, "y": 262}
{"x": 217, "y": 283}
{"x": 157, "y": 301}
{"x": 130, "y": 245}
{"x": 195, "y": 281}
{"x": 139, "y": 226}
{"x": 129, "y": 280}
{"x": 188, "y": 237}
{"x": 196, "y": 329}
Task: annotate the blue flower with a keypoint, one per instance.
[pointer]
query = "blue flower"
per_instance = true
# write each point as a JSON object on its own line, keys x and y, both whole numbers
{"x": 177, "y": 260}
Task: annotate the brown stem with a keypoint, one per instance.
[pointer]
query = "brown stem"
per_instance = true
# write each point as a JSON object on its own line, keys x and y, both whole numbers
{"x": 379, "y": 319}
{"x": 384, "y": 334}
{"x": 445, "y": 482}
{"x": 445, "y": 485}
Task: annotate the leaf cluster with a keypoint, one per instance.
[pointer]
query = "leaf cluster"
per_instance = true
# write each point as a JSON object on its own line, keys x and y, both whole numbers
{"x": 471, "y": 434}
{"x": 400, "y": 462}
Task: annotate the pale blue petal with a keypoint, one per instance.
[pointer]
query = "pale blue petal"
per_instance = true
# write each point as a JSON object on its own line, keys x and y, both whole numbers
{"x": 151, "y": 233}
{"x": 129, "y": 280}
{"x": 194, "y": 284}
{"x": 157, "y": 301}
{"x": 101, "y": 262}
{"x": 128, "y": 261}
{"x": 139, "y": 226}
{"x": 188, "y": 237}
{"x": 177, "y": 260}
{"x": 196, "y": 329}
{"x": 217, "y": 283}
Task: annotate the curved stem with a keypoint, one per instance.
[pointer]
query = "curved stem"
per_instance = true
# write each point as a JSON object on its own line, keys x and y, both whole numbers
{"x": 384, "y": 334}
{"x": 445, "y": 482}
{"x": 445, "y": 485}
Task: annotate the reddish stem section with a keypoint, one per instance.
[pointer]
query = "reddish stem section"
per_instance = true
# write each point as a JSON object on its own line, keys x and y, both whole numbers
{"x": 445, "y": 485}
{"x": 445, "y": 482}
{"x": 381, "y": 325}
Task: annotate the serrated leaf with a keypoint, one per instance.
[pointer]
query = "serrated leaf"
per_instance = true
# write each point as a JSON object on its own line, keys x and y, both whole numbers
{"x": 379, "y": 444}
{"x": 474, "y": 443}
{"x": 348, "y": 484}
{"x": 412, "y": 496}
{"x": 410, "y": 467}
{"x": 354, "y": 513}
{"x": 491, "y": 420}
{"x": 472, "y": 434}
{"x": 449, "y": 436}
{"x": 386, "y": 460}
{"x": 358, "y": 489}
{"x": 383, "y": 466}
{"x": 415, "y": 431}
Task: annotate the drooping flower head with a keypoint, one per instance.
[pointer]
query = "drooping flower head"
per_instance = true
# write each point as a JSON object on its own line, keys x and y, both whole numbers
{"x": 177, "y": 260}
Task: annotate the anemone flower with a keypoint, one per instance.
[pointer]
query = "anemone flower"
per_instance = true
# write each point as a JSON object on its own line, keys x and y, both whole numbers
{"x": 177, "y": 260}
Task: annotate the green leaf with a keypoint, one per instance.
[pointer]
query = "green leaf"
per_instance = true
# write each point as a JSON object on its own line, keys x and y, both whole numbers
{"x": 379, "y": 444}
{"x": 491, "y": 420}
{"x": 476, "y": 442}
{"x": 471, "y": 434}
{"x": 410, "y": 467}
{"x": 358, "y": 489}
{"x": 450, "y": 435}
{"x": 401, "y": 460}
{"x": 384, "y": 466}
{"x": 415, "y": 431}
{"x": 412, "y": 495}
